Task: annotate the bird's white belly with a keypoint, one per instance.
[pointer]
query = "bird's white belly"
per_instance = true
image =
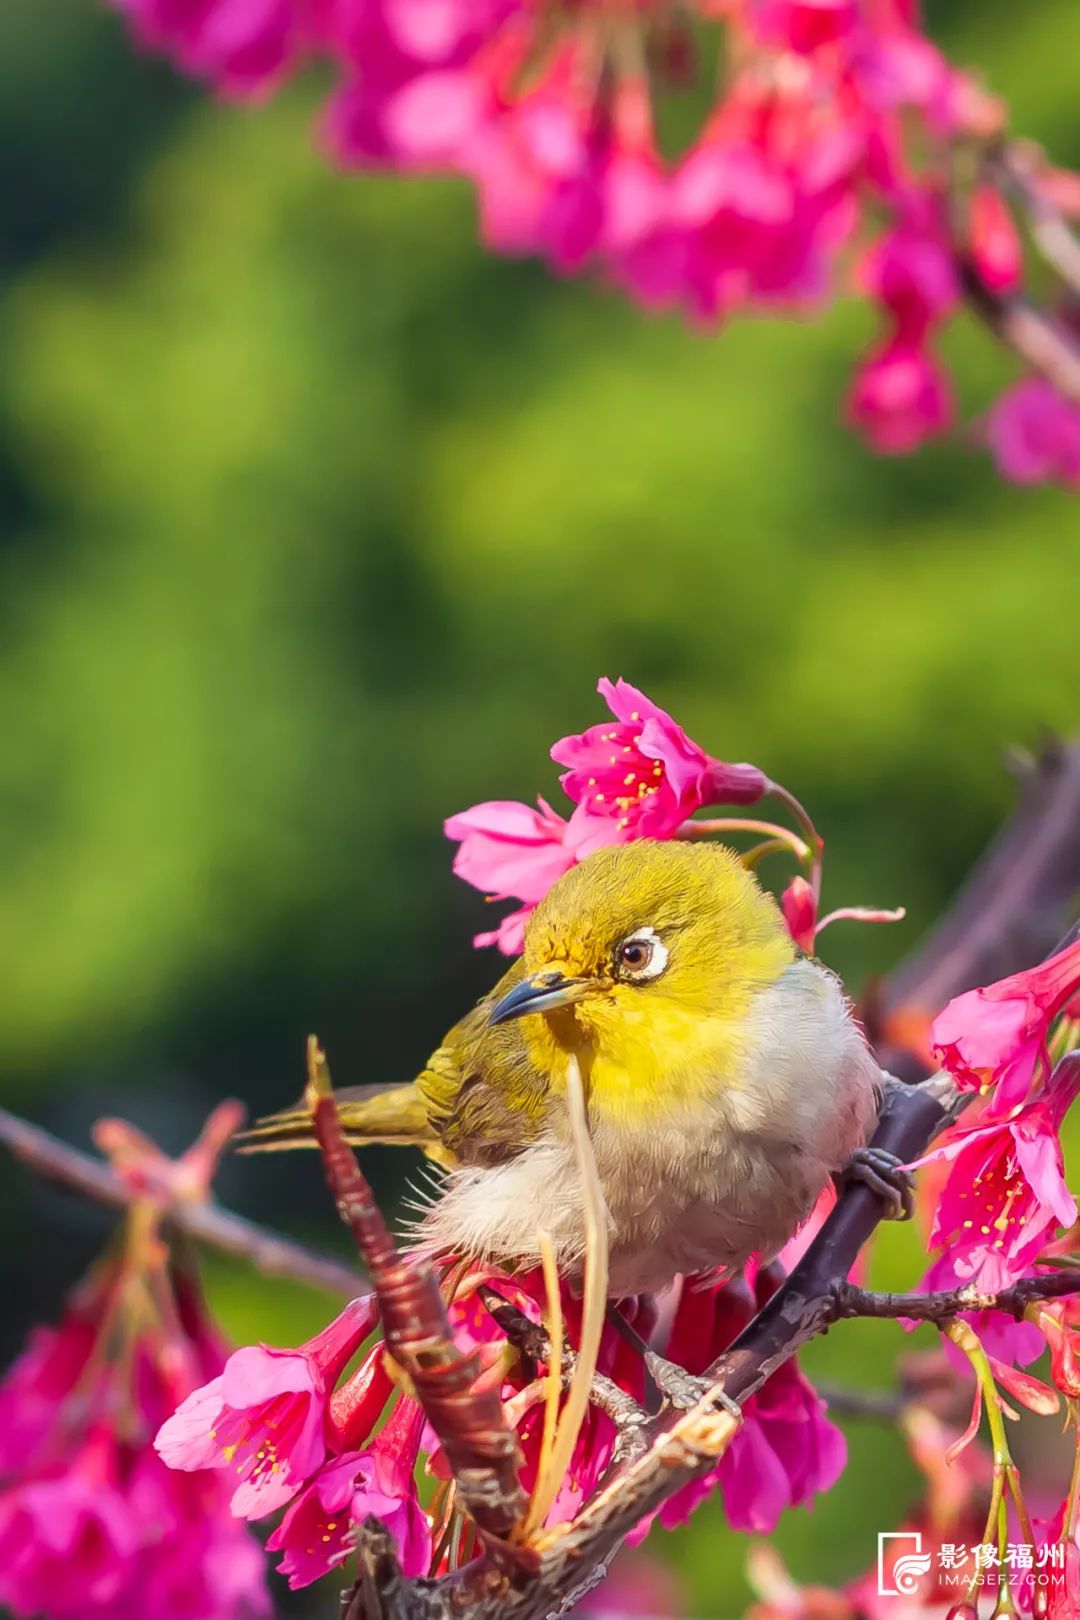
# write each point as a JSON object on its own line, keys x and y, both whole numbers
{"x": 696, "y": 1190}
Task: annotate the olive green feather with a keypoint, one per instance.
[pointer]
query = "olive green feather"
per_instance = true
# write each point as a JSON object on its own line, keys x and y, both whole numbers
{"x": 478, "y": 1099}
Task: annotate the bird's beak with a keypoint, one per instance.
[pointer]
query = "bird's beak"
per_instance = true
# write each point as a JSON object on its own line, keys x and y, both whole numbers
{"x": 540, "y": 992}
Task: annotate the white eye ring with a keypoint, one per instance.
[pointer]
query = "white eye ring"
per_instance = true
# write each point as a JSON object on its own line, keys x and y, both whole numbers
{"x": 655, "y": 959}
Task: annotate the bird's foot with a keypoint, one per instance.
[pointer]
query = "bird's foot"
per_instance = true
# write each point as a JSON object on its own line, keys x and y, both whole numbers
{"x": 885, "y": 1175}
{"x": 682, "y": 1389}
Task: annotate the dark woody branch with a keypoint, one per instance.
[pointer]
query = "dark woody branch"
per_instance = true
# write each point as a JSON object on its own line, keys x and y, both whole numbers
{"x": 1018, "y": 900}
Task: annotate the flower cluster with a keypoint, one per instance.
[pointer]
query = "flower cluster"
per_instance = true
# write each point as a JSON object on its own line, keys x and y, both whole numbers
{"x": 829, "y": 114}
{"x": 93, "y": 1525}
{"x": 282, "y": 1430}
{"x": 997, "y": 1194}
{"x": 636, "y": 776}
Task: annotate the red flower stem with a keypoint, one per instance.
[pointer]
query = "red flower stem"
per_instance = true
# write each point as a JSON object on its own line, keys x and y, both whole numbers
{"x": 727, "y": 824}
{"x": 481, "y": 1450}
{"x": 813, "y": 838}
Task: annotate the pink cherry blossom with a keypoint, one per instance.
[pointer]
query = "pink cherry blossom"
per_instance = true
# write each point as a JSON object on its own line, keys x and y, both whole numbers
{"x": 785, "y": 1451}
{"x": 92, "y": 1523}
{"x": 37, "y": 1384}
{"x": 1034, "y": 434}
{"x": 799, "y": 907}
{"x": 1006, "y": 1192}
{"x": 1017, "y": 1343}
{"x": 315, "y": 1534}
{"x": 900, "y": 398}
{"x": 513, "y": 851}
{"x": 243, "y": 46}
{"x": 829, "y": 113}
{"x": 263, "y": 1418}
{"x": 996, "y": 248}
{"x": 996, "y": 1036}
{"x": 643, "y": 771}
{"x": 911, "y": 272}
{"x": 66, "y": 1539}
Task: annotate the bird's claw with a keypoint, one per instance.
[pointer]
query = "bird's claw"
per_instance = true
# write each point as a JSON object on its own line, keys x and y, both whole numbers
{"x": 683, "y": 1389}
{"x": 885, "y": 1175}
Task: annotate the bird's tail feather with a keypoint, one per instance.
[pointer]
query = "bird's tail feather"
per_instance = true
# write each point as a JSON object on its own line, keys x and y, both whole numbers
{"x": 395, "y": 1115}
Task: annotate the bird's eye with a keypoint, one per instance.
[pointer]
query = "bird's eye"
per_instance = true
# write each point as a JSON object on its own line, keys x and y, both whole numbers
{"x": 642, "y": 955}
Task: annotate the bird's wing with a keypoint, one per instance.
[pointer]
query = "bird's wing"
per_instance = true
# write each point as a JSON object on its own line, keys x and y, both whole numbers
{"x": 478, "y": 1099}
{"x": 485, "y": 1099}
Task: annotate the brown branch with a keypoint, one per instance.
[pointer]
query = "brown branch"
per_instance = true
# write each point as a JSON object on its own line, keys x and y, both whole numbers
{"x": 1018, "y": 899}
{"x": 628, "y": 1415}
{"x": 481, "y": 1449}
{"x": 269, "y": 1252}
{"x": 941, "y": 1306}
{"x": 1040, "y": 340}
{"x": 1017, "y": 167}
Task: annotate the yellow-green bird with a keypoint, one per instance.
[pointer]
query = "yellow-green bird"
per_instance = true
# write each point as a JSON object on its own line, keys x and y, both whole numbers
{"x": 726, "y": 1078}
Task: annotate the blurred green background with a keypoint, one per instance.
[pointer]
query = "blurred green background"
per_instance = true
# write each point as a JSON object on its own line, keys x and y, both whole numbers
{"x": 319, "y": 525}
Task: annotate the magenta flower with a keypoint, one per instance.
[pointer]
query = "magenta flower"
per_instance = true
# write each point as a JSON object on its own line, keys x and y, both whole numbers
{"x": 1017, "y": 1343}
{"x": 1006, "y": 1192}
{"x": 900, "y": 398}
{"x": 1034, "y": 435}
{"x": 800, "y": 913}
{"x": 67, "y": 1539}
{"x": 997, "y": 1036}
{"x": 195, "y": 1559}
{"x": 91, "y": 1521}
{"x": 514, "y": 852}
{"x": 911, "y": 272}
{"x": 263, "y": 1418}
{"x": 643, "y": 772}
{"x": 316, "y": 1532}
{"x": 243, "y": 46}
{"x": 45, "y": 1374}
{"x": 996, "y": 248}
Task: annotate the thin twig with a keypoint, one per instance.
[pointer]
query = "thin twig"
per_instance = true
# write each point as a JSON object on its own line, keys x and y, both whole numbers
{"x": 1015, "y": 167}
{"x": 268, "y": 1251}
{"x": 1039, "y": 339}
{"x": 940, "y": 1306}
{"x": 531, "y": 1338}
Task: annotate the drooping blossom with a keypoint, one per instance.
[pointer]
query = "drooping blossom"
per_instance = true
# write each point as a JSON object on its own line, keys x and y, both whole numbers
{"x": 829, "y": 113}
{"x": 1034, "y": 434}
{"x": 93, "y": 1526}
{"x": 264, "y": 1417}
{"x": 243, "y": 47}
{"x": 315, "y": 1534}
{"x": 643, "y": 772}
{"x": 1006, "y": 1192}
{"x": 512, "y": 851}
{"x": 911, "y": 272}
{"x": 900, "y": 398}
{"x": 951, "y": 1511}
{"x": 785, "y": 1451}
{"x": 800, "y": 909}
{"x": 995, "y": 242}
{"x": 996, "y": 1036}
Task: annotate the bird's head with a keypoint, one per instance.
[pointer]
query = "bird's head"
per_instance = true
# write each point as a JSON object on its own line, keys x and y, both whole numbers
{"x": 645, "y": 956}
